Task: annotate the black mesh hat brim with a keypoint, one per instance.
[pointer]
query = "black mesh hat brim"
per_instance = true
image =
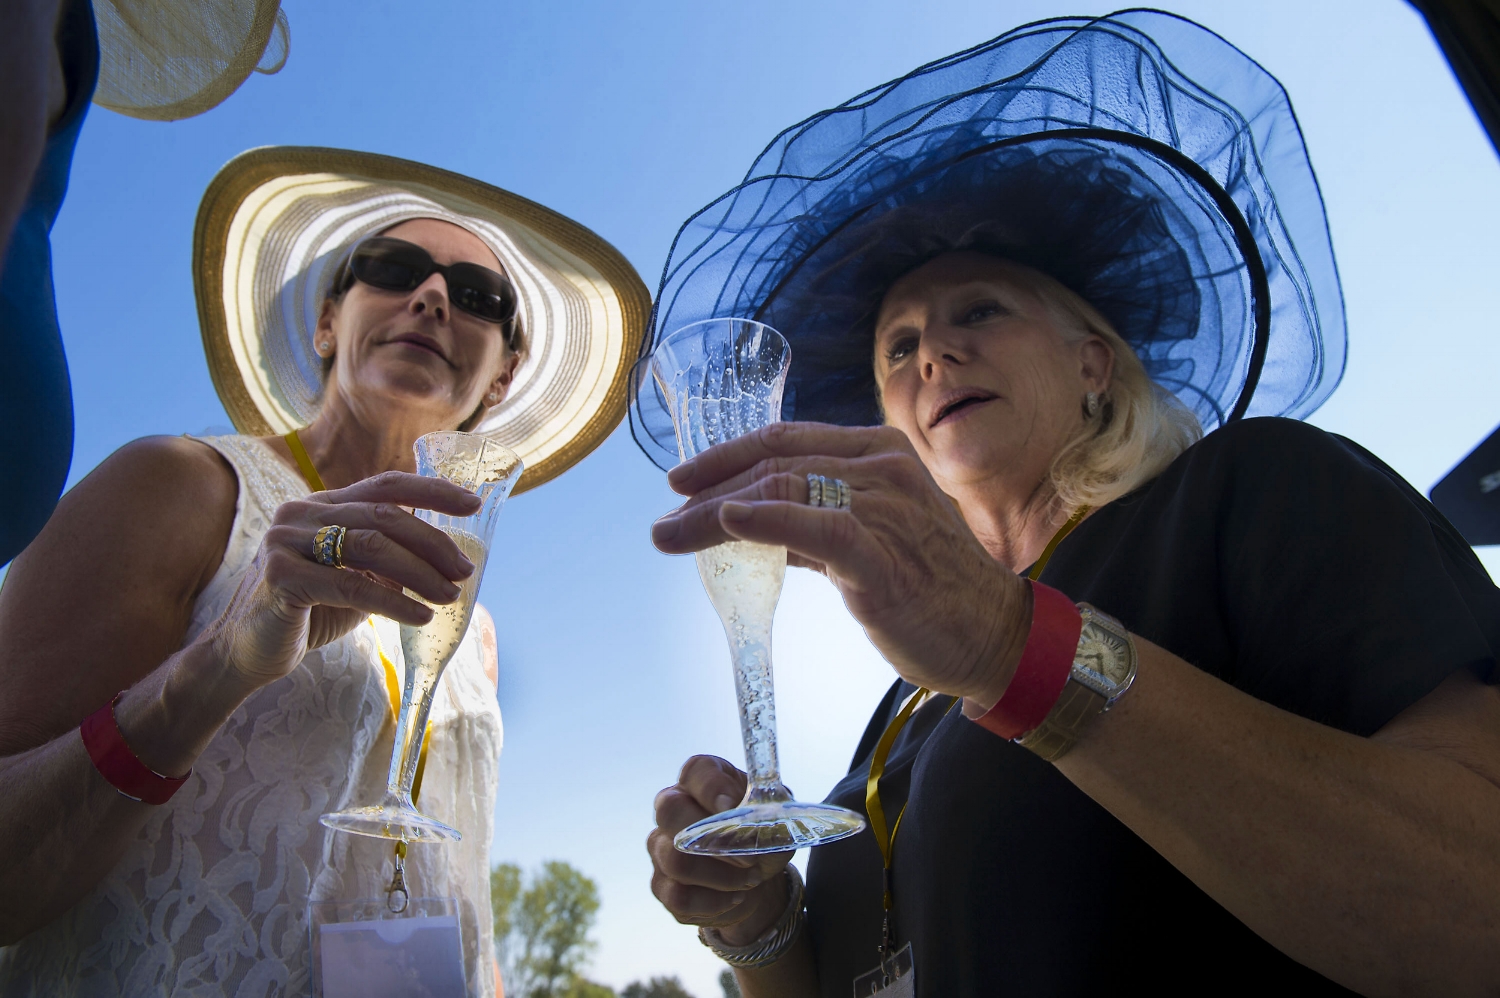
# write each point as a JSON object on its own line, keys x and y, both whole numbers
{"x": 1188, "y": 216}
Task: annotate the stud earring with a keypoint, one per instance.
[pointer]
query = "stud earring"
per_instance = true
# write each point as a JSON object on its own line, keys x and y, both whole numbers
{"x": 1091, "y": 404}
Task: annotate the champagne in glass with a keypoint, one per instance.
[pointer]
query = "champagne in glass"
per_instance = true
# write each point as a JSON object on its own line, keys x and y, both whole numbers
{"x": 723, "y": 378}
{"x": 489, "y": 470}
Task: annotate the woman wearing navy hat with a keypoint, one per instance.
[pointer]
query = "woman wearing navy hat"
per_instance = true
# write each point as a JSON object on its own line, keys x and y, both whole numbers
{"x": 1186, "y": 711}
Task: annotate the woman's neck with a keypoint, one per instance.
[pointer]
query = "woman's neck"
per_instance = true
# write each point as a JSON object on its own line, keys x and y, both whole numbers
{"x": 1013, "y": 529}
{"x": 347, "y": 446}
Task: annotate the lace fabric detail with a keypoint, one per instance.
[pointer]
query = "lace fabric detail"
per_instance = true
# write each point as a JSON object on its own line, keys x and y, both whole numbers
{"x": 212, "y": 897}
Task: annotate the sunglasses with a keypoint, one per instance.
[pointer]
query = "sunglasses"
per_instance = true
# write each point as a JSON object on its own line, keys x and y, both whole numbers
{"x": 397, "y": 265}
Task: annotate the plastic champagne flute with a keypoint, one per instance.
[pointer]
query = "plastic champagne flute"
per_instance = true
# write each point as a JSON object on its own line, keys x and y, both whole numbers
{"x": 722, "y": 378}
{"x": 490, "y": 471}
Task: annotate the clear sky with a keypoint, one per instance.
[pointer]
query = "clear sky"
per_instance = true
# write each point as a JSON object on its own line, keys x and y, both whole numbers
{"x": 628, "y": 117}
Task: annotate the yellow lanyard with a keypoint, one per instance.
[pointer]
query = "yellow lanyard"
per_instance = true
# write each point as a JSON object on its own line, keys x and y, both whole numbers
{"x": 887, "y": 840}
{"x": 314, "y": 480}
{"x": 392, "y": 684}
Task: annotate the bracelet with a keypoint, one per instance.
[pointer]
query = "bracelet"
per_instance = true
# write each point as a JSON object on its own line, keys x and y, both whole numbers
{"x": 773, "y": 943}
{"x": 120, "y": 766}
{"x": 1045, "y": 664}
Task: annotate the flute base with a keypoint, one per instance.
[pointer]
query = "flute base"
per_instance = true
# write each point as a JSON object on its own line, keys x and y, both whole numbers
{"x": 392, "y": 819}
{"x": 763, "y": 828}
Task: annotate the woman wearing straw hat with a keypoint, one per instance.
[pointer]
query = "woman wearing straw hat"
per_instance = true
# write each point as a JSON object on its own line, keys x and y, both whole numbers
{"x": 350, "y": 303}
{"x": 1046, "y": 265}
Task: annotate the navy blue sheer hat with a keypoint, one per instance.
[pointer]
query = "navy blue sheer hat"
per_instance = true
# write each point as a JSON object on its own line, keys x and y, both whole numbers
{"x": 1138, "y": 158}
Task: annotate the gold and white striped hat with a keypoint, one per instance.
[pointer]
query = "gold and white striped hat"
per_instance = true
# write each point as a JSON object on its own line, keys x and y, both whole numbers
{"x": 274, "y": 225}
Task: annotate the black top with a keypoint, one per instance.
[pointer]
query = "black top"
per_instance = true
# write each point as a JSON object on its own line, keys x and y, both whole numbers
{"x": 1279, "y": 558}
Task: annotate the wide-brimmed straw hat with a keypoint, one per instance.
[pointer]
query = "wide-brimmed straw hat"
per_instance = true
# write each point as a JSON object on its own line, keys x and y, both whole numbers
{"x": 168, "y": 59}
{"x": 275, "y": 224}
{"x": 1138, "y": 158}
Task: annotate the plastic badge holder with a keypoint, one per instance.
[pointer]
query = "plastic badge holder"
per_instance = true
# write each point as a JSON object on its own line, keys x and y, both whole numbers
{"x": 361, "y": 950}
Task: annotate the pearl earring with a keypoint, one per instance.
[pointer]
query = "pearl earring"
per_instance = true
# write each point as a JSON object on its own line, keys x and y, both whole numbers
{"x": 1091, "y": 404}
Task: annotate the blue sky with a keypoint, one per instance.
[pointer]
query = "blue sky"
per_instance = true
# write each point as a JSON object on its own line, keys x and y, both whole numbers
{"x": 629, "y": 117}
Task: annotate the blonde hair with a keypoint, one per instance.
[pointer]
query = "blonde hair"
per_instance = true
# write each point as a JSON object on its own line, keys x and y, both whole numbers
{"x": 1139, "y": 427}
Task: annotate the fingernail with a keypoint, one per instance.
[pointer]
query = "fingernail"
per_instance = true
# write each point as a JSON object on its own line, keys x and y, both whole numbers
{"x": 666, "y": 528}
{"x": 735, "y": 512}
{"x": 465, "y": 565}
{"x": 681, "y": 473}
{"x": 724, "y": 802}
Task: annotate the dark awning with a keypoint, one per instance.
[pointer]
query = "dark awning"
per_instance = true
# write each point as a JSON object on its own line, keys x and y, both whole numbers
{"x": 1469, "y": 33}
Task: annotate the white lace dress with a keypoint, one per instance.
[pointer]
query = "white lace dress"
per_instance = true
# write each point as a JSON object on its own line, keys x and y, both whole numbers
{"x": 212, "y": 897}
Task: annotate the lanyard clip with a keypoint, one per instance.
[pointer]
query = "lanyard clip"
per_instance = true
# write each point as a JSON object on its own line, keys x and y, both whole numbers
{"x": 396, "y": 896}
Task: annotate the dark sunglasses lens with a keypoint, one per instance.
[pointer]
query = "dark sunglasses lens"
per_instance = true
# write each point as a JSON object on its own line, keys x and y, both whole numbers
{"x": 481, "y": 292}
{"x": 391, "y": 264}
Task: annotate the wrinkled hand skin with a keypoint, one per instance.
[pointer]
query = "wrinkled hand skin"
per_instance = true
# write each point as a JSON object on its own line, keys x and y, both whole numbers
{"x": 741, "y": 897}
{"x": 287, "y": 603}
{"x": 932, "y": 599}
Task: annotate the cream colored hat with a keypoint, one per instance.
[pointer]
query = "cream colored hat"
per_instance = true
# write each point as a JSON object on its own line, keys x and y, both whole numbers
{"x": 276, "y": 222}
{"x": 166, "y": 59}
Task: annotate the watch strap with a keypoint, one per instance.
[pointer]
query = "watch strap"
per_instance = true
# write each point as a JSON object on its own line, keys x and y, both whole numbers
{"x": 1060, "y": 730}
{"x": 1087, "y": 693}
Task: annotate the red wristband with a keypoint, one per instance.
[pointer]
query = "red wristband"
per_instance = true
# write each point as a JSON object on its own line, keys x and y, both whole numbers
{"x": 117, "y": 764}
{"x": 1045, "y": 664}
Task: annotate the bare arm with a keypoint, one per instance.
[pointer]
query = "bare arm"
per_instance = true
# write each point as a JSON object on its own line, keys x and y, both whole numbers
{"x": 97, "y": 603}
{"x": 101, "y": 601}
{"x": 1374, "y": 861}
{"x": 32, "y": 95}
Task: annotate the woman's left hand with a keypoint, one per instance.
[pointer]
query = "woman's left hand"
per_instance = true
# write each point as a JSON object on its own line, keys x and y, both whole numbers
{"x": 939, "y": 607}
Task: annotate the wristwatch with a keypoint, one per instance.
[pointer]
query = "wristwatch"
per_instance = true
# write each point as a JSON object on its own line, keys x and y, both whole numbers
{"x": 1103, "y": 669}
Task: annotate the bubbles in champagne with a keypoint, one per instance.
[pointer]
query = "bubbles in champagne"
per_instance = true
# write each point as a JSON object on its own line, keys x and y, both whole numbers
{"x": 744, "y": 580}
{"x": 429, "y": 647}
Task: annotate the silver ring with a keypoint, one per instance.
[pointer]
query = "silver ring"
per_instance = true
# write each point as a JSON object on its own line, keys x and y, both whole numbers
{"x": 832, "y": 493}
{"x": 328, "y": 546}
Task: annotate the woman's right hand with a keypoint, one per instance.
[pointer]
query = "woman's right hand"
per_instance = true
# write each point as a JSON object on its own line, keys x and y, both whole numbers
{"x": 741, "y": 897}
{"x": 288, "y": 603}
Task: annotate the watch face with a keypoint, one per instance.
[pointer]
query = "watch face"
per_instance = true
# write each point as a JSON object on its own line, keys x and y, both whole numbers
{"x": 1104, "y": 653}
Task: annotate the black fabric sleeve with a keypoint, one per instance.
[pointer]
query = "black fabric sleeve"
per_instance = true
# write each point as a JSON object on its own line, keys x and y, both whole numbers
{"x": 1346, "y": 595}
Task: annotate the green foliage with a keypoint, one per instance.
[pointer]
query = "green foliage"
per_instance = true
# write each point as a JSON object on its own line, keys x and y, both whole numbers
{"x": 542, "y": 931}
{"x": 505, "y": 891}
{"x": 657, "y": 987}
{"x": 729, "y": 983}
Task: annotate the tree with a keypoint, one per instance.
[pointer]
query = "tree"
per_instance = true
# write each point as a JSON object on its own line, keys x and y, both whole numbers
{"x": 542, "y": 931}
{"x": 729, "y": 983}
{"x": 505, "y": 891}
{"x": 657, "y": 987}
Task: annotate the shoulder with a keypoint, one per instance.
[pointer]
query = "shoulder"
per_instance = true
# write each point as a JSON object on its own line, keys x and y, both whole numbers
{"x": 174, "y": 474}
{"x": 1271, "y": 440}
{"x": 1283, "y": 456}
{"x": 489, "y": 644}
{"x": 106, "y": 591}
{"x": 151, "y": 490}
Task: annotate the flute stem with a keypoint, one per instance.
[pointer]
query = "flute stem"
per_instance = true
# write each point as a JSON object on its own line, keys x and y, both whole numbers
{"x": 756, "y": 692}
